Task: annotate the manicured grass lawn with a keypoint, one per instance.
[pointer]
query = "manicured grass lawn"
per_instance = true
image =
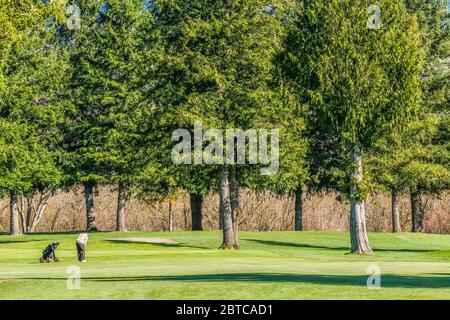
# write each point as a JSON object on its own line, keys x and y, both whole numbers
{"x": 278, "y": 265}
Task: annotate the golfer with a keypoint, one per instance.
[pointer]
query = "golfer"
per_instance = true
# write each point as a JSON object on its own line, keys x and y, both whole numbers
{"x": 81, "y": 246}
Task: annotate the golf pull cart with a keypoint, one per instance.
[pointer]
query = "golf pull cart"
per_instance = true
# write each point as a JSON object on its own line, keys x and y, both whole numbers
{"x": 49, "y": 253}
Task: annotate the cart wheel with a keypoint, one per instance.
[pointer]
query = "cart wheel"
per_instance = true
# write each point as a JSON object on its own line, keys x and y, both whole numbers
{"x": 41, "y": 260}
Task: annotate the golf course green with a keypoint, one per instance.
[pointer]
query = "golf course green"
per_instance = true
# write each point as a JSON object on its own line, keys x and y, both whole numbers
{"x": 272, "y": 265}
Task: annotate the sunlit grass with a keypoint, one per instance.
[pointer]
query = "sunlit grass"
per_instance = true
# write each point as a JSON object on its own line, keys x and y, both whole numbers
{"x": 278, "y": 265}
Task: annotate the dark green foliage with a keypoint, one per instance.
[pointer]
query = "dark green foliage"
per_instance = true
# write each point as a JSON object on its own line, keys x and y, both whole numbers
{"x": 418, "y": 157}
{"x": 33, "y": 71}
{"x": 358, "y": 83}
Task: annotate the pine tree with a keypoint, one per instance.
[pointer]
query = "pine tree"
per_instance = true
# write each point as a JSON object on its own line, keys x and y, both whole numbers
{"x": 108, "y": 95}
{"x": 417, "y": 159}
{"x": 428, "y": 172}
{"x": 218, "y": 71}
{"x": 32, "y": 72}
{"x": 358, "y": 83}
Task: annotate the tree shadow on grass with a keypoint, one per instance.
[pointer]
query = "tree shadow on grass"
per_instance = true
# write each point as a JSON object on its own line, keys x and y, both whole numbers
{"x": 18, "y": 241}
{"x": 387, "y": 281}
{"x": 304, "y": 245}
{"x": 294, "y": 245}
{"x": 164, "y": 245}
{"x": 65, "y": 232}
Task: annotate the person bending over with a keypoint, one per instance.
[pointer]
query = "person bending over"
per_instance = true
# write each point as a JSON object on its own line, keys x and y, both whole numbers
{"x": 81, "y": 246}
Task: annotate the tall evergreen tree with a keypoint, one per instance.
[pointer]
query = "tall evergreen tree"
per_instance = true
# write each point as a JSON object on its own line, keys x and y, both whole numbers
{"x": 218, "y": 71}
{"x": 358, "y": 82}
{"x": 416, "y": 159}
{"x": 32, "y": 74}
{"x": 434, "y": 152}
{"x": 108, "y": 88}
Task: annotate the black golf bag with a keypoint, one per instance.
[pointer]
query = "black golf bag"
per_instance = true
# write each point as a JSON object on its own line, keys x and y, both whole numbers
{"x": 49, "y": 253}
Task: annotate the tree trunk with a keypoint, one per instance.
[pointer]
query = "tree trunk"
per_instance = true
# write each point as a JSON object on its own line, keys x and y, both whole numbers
{"x": 229, "y": 236}
{"x": 220, "y": 214}
{"x": 185, "y": 216}
{"x": 416, "y": 212}
{"x": 40, "y": 209}
{"x": 299, "y": 209}
{"x": 29, "y": 213}
{"x": 196, "y": 211}
{"x": 395, "y": 213}
{"x": 22, "y": 213}
{"x": 26, "y": 212}
{"x": 121, "y": 202}
{"x": 14, "y": 218}
{"x": 170, "y": 216}
{"x": 234, "y": 201}
{"x": 358, "y": 233}
{"x": 90, "y": 214}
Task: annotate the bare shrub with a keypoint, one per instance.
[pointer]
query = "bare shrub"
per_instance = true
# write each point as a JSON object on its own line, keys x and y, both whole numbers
{"x": 437, "y": 217}
{"x": 263, "y": 211}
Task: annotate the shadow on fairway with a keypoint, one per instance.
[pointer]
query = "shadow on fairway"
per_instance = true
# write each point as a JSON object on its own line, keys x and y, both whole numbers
{"x": 165, "y": 245}
{"x": 18, "y": 241}
{"x": 303, "y": 245}
{"x": 387, "y": 281}
{"x": 65, "y": 232}
{"x": 294, "y": 245}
